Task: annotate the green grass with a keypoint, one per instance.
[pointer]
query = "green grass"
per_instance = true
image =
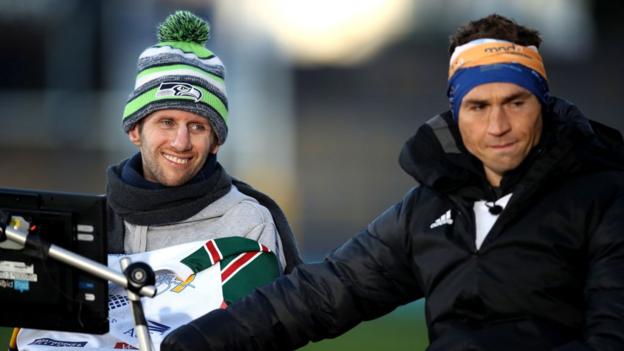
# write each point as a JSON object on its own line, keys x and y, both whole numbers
{"x": 5, "y": 335}
{"x": 403, "y": 329}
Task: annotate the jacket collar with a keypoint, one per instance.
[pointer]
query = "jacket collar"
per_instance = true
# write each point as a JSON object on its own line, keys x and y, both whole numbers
{"x": 436, "y": 156}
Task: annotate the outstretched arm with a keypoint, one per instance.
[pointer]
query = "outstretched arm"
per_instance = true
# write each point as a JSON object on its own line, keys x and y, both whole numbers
{"x": 367, "y": 277}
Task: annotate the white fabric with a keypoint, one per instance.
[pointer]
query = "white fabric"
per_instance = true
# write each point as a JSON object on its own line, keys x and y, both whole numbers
{"x": 159, "y": 50}
{"x": 181, "y": 72}
{"x": 177, "y": 302}
{"x": 484, "y": 220}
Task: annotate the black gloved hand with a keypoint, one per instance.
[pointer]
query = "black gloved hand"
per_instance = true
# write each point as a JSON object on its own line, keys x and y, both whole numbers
{"x": 184, "y": 338}
{"x": 215, "y": 331}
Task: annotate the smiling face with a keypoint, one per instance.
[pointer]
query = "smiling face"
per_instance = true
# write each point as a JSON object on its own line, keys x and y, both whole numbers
{"x": 174, "y": 145}
{"x": 499, "y": 124}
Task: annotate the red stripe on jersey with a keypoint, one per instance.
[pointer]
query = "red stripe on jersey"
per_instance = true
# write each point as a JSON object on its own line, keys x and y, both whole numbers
{"x": 237, "y": 264}
{"x": 213, "y": 251}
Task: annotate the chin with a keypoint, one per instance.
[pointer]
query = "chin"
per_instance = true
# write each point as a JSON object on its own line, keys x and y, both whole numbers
{"x": 173, "y": 182}
{"x": 172, "y": 179}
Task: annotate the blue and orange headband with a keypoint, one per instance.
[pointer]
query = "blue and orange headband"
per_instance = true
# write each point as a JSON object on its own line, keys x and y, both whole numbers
{"x": 484, "y": 61}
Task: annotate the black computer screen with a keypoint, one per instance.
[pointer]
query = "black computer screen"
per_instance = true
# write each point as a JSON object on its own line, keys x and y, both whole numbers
{"x": 42, "y": 293}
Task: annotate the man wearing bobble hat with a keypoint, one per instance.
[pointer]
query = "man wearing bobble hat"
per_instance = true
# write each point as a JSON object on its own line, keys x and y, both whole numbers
{"x": 514, "y": 235}
{"x": 174, "y": 206}
{"x": 174, "y": 190}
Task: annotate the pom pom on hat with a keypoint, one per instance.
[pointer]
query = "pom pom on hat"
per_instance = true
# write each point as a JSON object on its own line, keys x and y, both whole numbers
{"x": 184, "y": 26}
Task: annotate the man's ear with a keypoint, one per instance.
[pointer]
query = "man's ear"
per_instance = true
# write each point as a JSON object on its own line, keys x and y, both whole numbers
{"x": 215, "y": 149}
{"x": 134, "y": 135}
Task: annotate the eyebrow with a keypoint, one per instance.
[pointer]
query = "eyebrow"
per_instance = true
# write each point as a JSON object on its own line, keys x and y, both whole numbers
{"x": 506, "y": 99}
{"x": 200, "y": 121}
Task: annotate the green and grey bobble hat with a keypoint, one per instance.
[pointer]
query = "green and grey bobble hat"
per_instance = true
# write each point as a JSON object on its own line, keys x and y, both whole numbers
{"x": 180, "y": 73}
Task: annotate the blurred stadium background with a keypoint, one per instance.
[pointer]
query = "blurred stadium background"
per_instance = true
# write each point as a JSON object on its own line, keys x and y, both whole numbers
{"x": 322, "y": 93}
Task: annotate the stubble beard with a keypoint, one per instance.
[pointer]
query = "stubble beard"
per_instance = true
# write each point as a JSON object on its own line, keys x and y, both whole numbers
{"x": 153, "y": 169}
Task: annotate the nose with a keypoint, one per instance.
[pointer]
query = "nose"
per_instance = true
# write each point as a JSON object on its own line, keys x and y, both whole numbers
{"x": 498, "y": 122}
{"x": 182, "y": 139}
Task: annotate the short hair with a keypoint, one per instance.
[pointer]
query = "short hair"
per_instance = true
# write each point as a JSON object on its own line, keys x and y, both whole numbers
{"x": 494, "y": 26}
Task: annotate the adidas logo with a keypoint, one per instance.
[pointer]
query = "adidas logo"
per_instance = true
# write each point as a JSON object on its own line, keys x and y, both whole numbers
{"x": 444, "y": 219}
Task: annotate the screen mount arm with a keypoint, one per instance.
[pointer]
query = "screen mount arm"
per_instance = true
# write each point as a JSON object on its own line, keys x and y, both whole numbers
{"x": 137, "y": 278}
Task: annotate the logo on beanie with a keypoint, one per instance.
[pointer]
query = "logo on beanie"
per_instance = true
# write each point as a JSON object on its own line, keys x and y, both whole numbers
{"x": 178, "y": 89}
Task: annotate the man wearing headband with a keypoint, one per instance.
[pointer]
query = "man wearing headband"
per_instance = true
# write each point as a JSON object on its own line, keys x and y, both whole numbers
{"x": 514, "y": 235}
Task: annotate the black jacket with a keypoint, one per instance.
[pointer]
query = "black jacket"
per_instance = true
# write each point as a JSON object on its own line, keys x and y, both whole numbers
{"x": 549, "y": 275}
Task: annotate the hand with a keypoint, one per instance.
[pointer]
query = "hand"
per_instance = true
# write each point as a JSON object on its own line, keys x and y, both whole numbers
{"x": 184, "y": 338}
